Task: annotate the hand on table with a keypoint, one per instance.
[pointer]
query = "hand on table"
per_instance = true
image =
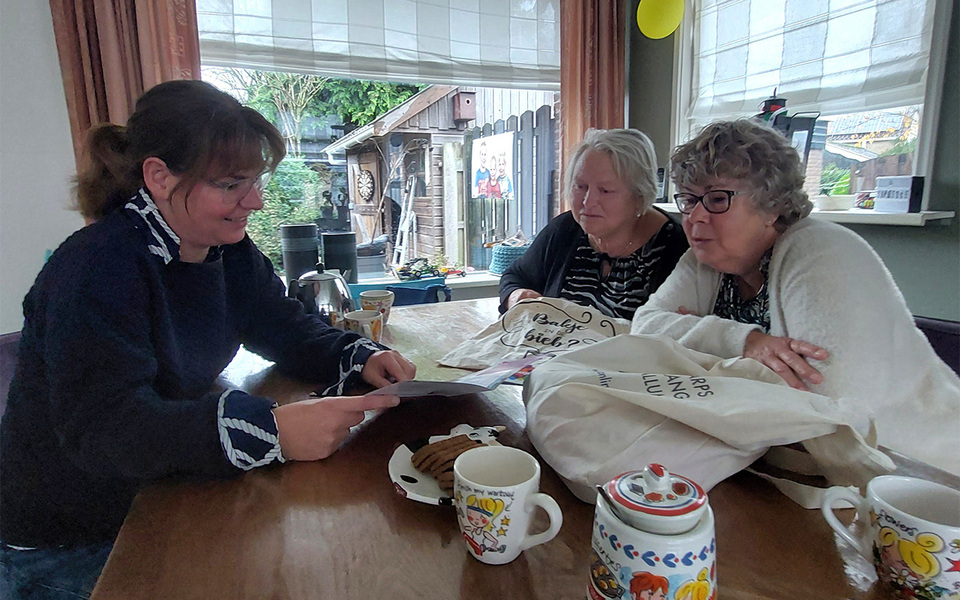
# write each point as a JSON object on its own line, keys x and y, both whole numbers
{"x": 313, "y": 429}
{"x": 786, "y": 356}
{"x": 521, "y": 294}
{"x": 386, "y": 367}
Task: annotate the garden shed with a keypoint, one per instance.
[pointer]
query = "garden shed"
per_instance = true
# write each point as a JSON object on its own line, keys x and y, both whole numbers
{"x": 398, "y": 159}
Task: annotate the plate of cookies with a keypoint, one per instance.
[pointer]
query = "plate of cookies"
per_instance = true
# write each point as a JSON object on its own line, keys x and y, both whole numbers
{"x": 422, "y": 469}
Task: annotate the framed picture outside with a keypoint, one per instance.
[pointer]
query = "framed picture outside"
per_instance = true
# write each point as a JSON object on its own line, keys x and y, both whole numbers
{"x": 492, "y": 166}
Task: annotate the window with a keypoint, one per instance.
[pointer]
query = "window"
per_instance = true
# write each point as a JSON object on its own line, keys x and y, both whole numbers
{"x": 387, "y": 161}
{"x": 311, "y": 112}
{"x": 475, "y": 46}
{"x": 871, "y": 70}
{"x": 494, "y": 44}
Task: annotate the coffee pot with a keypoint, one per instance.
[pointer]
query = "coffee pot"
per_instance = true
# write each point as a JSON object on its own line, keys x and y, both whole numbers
{"x": 653, "y": 531}
{"x": 323, "y": 292}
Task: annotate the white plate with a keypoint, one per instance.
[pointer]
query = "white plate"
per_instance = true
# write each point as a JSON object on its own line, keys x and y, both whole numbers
{"x": 411, "y": 483}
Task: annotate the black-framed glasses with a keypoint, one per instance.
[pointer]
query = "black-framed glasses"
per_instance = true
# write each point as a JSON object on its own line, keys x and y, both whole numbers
{"x": 714, "y": 201}
{"x": 235, "y": 190}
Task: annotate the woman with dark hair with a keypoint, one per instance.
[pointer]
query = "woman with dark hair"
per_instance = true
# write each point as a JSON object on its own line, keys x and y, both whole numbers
{"x": 614, "y": 248}
{"x": 130, "y": 322}
{"x": 807, "y": 298}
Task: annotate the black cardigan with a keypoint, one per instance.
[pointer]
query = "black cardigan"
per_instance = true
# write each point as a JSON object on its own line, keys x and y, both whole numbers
{"x": 118, "y": 357}
{"x": 543, "y": 267}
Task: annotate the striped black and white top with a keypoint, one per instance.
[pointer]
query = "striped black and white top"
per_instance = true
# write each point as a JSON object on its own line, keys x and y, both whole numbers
{"x": 631, "y": 280}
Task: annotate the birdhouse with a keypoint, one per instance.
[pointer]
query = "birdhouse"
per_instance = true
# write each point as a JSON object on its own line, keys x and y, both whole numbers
{"x": 464, "y": 106}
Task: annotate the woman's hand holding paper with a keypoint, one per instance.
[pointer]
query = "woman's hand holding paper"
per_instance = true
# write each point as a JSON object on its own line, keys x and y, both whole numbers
{"x": 313, "y": 429}
{"x": 386, "y": 367}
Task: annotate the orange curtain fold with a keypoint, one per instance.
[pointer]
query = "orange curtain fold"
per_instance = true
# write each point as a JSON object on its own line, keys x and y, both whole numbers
{"x": 111, "y": 51}
{"x": 592, "y": 68}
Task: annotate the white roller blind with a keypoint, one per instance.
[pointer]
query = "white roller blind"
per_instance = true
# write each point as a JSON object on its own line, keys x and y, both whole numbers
{"x": 830, "y": 55}
{"x": 495, "y": 43}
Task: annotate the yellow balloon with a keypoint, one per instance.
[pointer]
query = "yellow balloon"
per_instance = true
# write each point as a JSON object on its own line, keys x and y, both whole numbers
{"x": 659, "y": 18}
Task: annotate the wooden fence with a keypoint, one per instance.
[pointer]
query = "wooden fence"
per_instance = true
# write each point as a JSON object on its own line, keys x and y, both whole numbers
{"x": 493, "y": 219}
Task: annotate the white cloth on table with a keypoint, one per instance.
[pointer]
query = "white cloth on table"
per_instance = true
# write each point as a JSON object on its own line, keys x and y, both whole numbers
{"x": 632, "y": 400}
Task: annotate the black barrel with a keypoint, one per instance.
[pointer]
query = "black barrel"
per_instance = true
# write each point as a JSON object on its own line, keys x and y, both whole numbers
{"x": 340, "y": 252}
{"x": 300, "y": 252}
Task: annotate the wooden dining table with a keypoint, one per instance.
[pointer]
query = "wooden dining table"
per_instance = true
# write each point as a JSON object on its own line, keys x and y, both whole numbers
{"x": 338, "y": 528}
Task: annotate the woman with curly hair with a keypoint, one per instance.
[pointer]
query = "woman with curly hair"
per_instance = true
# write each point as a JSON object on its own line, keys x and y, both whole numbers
{"x": 807, "y": 298}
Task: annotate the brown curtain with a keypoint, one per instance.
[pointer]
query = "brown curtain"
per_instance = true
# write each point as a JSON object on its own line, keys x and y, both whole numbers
{"x": 111, "y": 51}
{"x": 592, "y": 68}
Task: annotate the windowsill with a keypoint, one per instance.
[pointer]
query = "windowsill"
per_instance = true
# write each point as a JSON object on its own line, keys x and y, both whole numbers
{"x": 864, "y": 217}
{"x": 471, "y": 279}
{"x": 475, "y": 284}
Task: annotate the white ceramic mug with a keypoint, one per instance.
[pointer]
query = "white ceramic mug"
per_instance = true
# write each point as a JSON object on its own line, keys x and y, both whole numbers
{"x": 913, "y": 534}
{"x": 496, "y": 491}
{"x": 367, "y": 323}
{"x": 378, "y": 300}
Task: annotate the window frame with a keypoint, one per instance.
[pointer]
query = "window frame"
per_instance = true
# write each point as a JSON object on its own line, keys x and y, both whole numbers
{"x": 684, "y": 68}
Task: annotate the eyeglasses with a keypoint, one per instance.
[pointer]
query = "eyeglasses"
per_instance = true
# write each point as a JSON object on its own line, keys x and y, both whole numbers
{"x": 235, "y": 190}
{"x": 714, "y": 201}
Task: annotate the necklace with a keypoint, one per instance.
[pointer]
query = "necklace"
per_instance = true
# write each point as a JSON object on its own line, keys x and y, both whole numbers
{"x": 600, "y": 247}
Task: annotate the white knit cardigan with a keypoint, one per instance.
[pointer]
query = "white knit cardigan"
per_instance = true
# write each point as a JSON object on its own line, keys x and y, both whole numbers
{"x": 827, "y": 286}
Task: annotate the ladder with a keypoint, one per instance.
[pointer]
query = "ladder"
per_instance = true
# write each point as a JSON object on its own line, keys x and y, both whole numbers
{"x": 407, "y": 230}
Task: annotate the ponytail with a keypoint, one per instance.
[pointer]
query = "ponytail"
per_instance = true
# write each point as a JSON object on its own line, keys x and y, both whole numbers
{"x": 107, "y": 177}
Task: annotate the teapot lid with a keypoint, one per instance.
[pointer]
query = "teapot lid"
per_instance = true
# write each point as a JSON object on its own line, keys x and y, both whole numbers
{"x": 320, "y": 274}
{"x": 656, "y": 500}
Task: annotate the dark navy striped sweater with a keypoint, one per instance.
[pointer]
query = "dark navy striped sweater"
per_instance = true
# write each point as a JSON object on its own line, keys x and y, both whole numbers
{"x": 121, "y": 345}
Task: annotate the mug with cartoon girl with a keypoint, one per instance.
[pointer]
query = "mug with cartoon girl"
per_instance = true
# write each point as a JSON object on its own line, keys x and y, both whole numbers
{"x": 495, "y": 492}
{"x": 914, "y": 534}
{"x": 481, "y": 515}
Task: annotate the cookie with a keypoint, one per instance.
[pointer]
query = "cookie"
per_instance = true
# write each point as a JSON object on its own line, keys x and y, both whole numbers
{"x": 445, "y": 481}
{"x": 429, "y": 449}
{"x": 430, "y": 457}
{"x": 436, "y": 459}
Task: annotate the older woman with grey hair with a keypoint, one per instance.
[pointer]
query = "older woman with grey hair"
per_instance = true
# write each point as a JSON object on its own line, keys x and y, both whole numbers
{"x": 807, "y": 298}
{"x": 613, "y": 249}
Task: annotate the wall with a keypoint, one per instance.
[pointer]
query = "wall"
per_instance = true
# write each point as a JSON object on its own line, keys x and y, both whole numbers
{"x": 650, "y": 87}
{"x": 924, "y": 261}
{"x": 36, "y": 154}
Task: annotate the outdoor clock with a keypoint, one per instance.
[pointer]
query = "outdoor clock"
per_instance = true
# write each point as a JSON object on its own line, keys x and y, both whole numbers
{"x": 365, "y": 185}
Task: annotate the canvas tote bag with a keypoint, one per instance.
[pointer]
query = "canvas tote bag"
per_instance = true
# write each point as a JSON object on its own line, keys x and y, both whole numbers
{"x": 550, "y": 326}
{"x": 622, "y": 403}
